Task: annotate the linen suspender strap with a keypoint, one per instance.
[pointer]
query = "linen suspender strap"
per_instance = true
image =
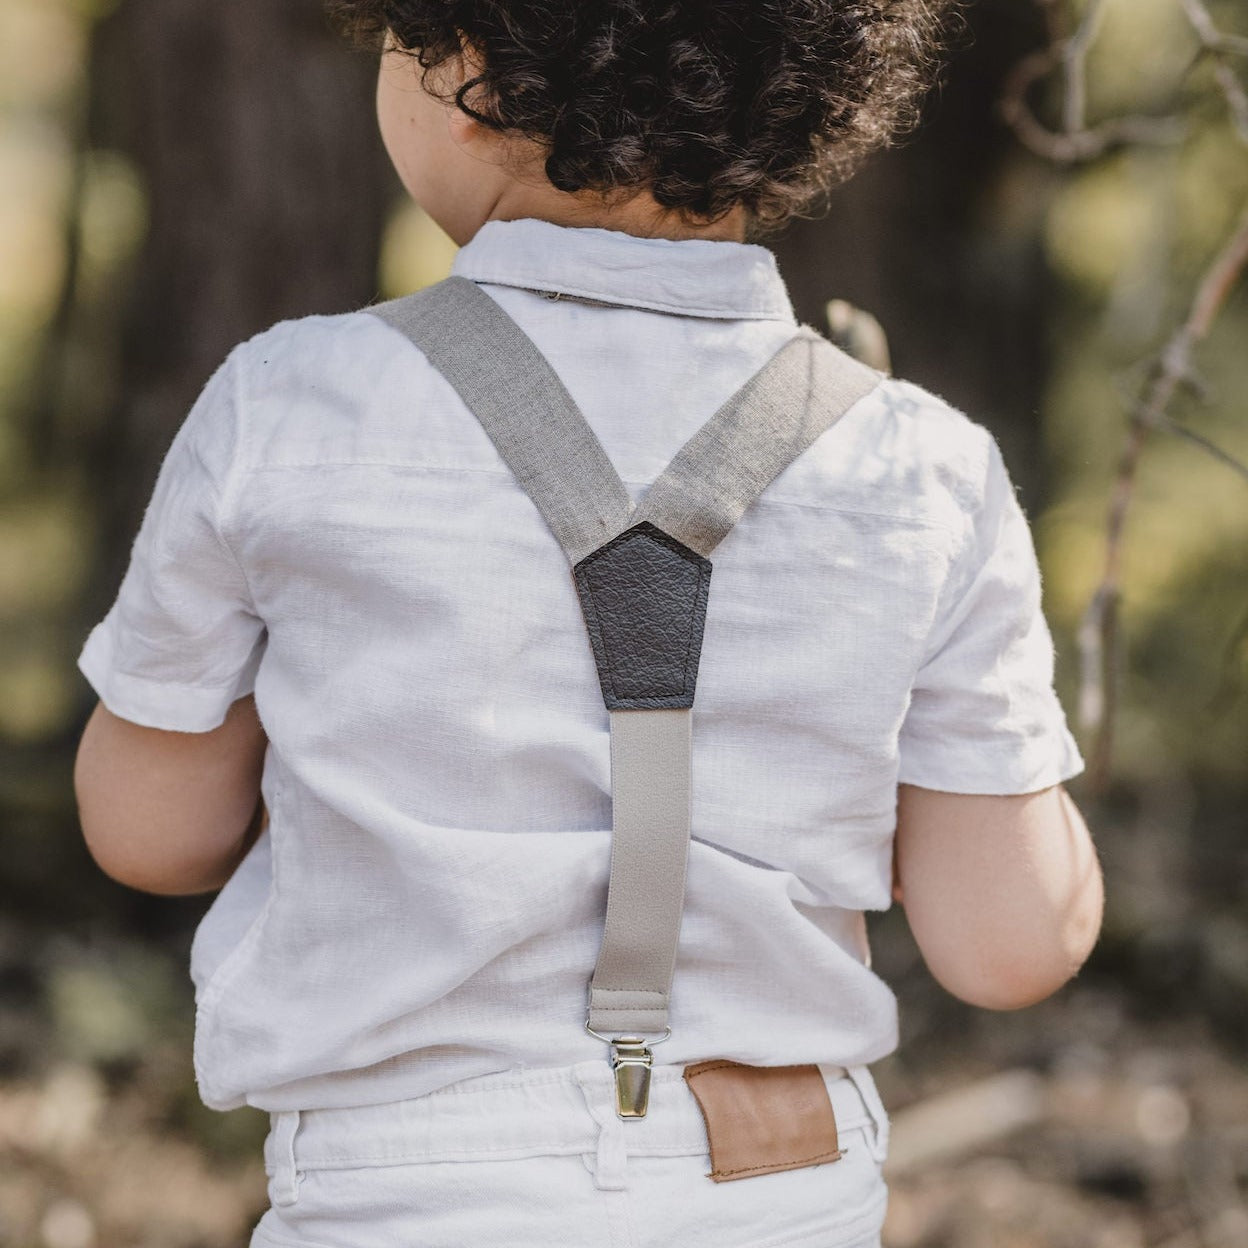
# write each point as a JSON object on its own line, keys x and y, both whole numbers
{"x": 522, "y": 404}
{"x": 642, "y": 576}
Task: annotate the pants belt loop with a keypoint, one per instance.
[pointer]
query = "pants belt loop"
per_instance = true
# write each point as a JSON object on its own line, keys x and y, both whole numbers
{"x": 862, "y": 1080}
{"x": 611, "y": 1151}
{"x": 285, "y": 1176}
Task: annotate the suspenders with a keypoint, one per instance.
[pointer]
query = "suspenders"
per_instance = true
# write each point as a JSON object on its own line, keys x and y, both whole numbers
{"x": 643, "y": 577}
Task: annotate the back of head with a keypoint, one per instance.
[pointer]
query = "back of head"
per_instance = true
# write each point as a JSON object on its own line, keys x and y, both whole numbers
{"x": 707, "y": 104}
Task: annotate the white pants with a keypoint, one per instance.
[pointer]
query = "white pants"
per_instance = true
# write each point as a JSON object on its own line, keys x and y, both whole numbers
{"x": 537, "y": 1158}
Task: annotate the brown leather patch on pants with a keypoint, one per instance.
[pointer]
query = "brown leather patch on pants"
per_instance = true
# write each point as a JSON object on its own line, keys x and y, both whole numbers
{"x": 760, "y": 1119}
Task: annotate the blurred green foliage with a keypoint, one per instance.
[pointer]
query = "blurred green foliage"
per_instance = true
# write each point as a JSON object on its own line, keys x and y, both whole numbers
{"x": 1130, "y": 235}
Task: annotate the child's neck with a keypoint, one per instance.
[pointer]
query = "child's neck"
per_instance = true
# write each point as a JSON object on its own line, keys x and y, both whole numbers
{"x": 641, "y": 215}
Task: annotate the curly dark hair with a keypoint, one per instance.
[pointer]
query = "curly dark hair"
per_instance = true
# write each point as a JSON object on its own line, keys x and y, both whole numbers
{"x": 705, "y": 103}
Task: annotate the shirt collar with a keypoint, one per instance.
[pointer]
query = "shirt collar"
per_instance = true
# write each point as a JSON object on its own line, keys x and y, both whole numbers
{"x": 689, "y": 277}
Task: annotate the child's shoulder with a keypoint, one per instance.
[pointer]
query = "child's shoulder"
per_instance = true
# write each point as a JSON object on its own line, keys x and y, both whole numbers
{"x": 903, "y": 449}
{"x": 301, "y": 349}
{"x": 907, "y": 451}
{"x": 934, "y": 431}
{"x": 315, "y": 384}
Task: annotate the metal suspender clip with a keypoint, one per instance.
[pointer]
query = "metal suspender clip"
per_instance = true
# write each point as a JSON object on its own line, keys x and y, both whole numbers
{"x": 631, "y": 1060}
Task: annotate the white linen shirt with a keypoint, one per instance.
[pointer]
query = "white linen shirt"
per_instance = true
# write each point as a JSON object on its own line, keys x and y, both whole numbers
{"x": 334, "y": 529}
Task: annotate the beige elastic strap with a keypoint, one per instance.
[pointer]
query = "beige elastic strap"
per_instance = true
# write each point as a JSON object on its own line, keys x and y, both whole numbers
{"x": 650, "y": 797}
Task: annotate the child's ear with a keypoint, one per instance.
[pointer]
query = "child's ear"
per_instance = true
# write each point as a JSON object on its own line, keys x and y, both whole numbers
{"x": 454, "y": 72}
{"x": 464, "y": 130}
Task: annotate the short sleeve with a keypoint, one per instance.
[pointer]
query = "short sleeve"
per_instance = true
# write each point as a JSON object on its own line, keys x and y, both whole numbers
{"x": 984, "y": 716}
{"x": 182, "y": 640}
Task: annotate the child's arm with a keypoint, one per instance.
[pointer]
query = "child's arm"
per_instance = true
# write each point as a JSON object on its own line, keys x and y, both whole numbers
{"x": 996, "y": 868}
{"x": 1004, "y": 894}
{"x": 168, "y": 770}
{"x": 170, "y": 812}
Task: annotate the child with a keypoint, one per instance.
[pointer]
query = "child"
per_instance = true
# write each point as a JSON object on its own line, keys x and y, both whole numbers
{"x": 342, "y": 599}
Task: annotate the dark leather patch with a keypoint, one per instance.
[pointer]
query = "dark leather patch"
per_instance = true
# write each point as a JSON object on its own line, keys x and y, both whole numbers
{"x": 644, "y": 598}
{"x": 760, "y": 1119}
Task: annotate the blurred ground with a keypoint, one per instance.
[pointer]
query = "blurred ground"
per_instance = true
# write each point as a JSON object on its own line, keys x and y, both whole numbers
{"x": 1094, "y": 1120}
{"x": 1120, "y": 1136}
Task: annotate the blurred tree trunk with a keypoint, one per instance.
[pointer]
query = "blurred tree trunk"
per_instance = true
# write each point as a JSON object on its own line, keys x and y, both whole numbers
{"x": 941, "y": 241}
{"x": 253, "y": 130}
{"x": 252, "y": 126}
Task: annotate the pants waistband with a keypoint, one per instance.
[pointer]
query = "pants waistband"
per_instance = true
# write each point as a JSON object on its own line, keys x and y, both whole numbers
{"x": 524, "y": 1113}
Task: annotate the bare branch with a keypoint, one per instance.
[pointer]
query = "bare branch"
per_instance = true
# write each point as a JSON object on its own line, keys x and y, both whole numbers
{"x": 1074, "y": 62}
{"x": 1171, "y": 369}
{"x": 1219, "y": 280}
{"x": 1170, "y": 425}
{"x": 1208, "y": 33}
{"x": 1076, "y": 142}
{"x": 1236, "y": 97}
{"x": 1098, "y": 633}
{"x": 1222, "y": 47}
